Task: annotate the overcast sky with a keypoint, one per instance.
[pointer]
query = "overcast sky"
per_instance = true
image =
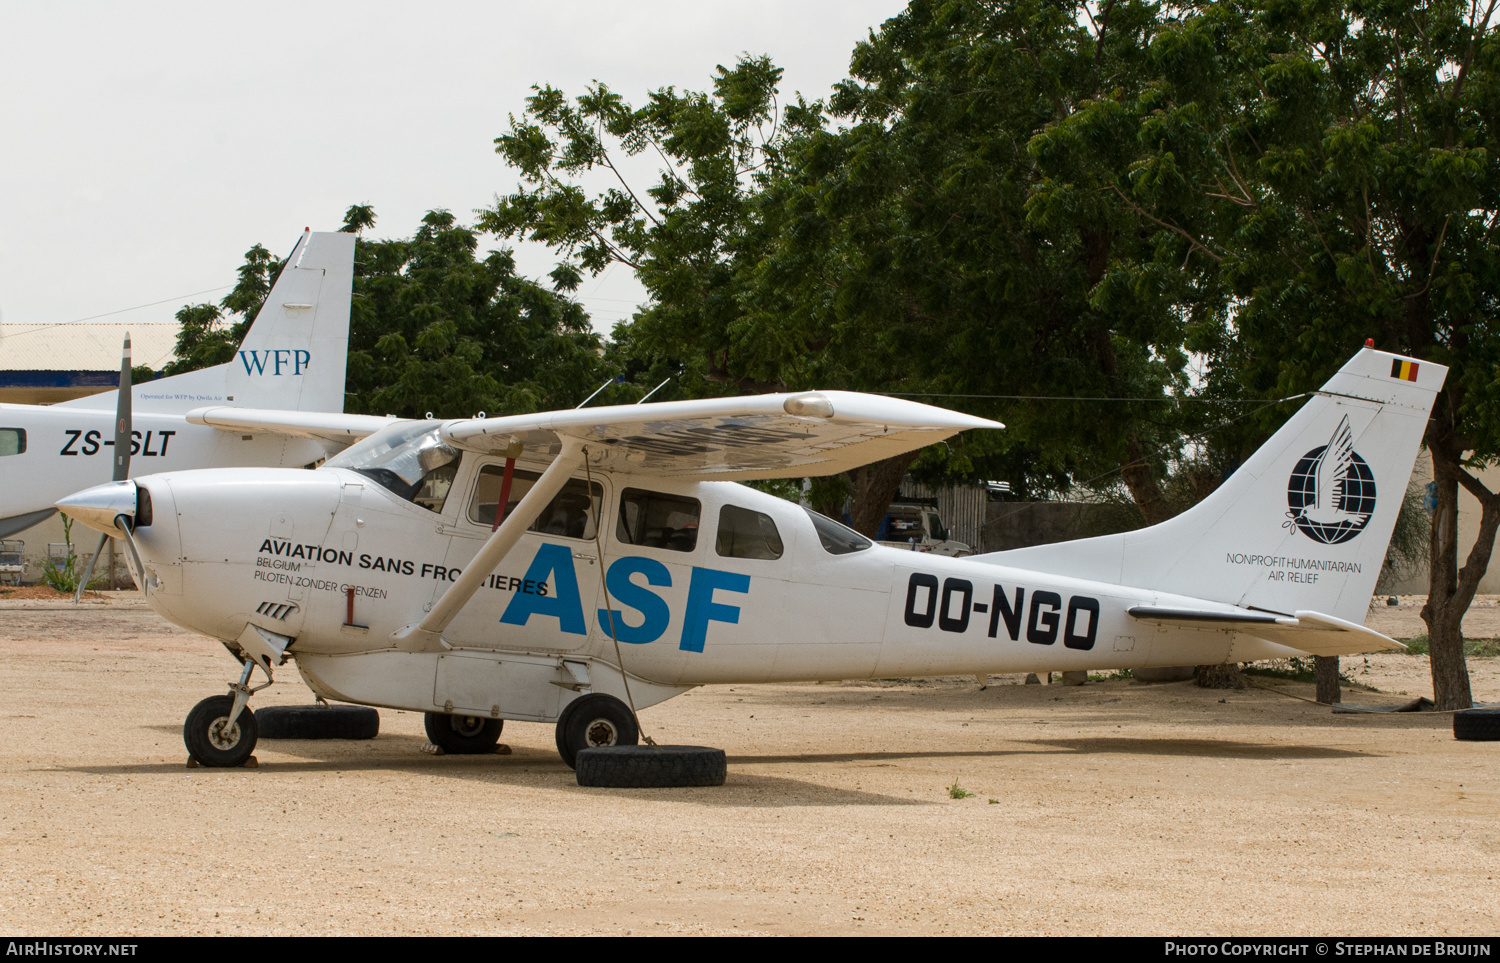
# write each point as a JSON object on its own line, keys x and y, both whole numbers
{"x": 145, "y": 146}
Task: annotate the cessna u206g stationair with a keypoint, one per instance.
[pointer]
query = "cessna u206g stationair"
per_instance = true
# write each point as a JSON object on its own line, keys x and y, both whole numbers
{"x": 570, "y": 566}
{"x": 293, "y": 357}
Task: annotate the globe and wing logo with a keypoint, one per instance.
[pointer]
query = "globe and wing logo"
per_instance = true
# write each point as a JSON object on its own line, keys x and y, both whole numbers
{"x": 1331, "y": 493}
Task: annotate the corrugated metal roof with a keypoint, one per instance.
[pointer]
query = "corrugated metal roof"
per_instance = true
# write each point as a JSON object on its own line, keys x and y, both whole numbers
{"x": 84, "y": 347}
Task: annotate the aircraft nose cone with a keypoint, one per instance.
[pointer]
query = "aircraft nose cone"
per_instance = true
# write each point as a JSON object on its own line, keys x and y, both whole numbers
{"x": 97, "y": 507}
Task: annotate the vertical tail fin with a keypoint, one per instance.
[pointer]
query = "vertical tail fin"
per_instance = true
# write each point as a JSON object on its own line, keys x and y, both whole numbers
{"x": 1303, "y": 524}
{"x": 295, "y": 353}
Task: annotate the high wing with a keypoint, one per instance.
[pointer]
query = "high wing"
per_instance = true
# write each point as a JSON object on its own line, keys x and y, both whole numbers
{"x": 326, "y": 426}
{"x": 1311, "y": 632}
{"x": 727, "y": 439}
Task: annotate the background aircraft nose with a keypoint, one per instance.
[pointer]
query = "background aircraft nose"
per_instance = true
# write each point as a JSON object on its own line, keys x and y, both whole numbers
{"x": 97, "y": 507}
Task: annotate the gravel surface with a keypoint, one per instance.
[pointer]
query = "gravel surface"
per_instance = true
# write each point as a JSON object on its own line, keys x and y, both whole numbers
{"x": 1115, "y": 807}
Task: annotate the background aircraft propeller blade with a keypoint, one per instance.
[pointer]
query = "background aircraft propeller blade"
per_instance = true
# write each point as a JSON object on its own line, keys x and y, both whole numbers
{"x": 122, "y": 418}
{"x": 122, "y": 455}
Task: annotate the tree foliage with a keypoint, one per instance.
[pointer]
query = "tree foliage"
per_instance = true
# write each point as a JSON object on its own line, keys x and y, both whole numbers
{"x": 433, "y": 327}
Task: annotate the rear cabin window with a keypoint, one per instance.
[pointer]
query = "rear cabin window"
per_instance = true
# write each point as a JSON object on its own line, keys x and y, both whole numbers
{"x": 657, "y": 520}
{"x": 12, "y": 441}
{"x": 837, "y": 539}
{"x": 571, "y": 513}
{"x": 746, "y": 534}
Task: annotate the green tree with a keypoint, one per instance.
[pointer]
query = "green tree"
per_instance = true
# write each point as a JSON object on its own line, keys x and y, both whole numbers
{"x": 433, "y": 327}
{"x": 1335, "y": 166}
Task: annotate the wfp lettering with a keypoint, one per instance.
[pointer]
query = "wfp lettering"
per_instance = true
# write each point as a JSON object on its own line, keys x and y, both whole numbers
{"x": 276, "y": 361}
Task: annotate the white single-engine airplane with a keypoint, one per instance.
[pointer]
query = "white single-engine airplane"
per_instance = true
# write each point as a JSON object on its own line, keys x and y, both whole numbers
{"x": 293, "y": 358}
{"x": 570, "y": 567}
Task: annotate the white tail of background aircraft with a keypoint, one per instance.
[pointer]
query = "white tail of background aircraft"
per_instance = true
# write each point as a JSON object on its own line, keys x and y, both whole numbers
{"x": 294, "y": 355}
{"x": 1302, "y": 525}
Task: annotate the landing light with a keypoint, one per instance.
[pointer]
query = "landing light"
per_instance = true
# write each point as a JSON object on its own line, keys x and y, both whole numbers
{"x": 808, "y": 406}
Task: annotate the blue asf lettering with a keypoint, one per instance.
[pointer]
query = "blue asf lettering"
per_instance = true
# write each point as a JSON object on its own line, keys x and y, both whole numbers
{"x": 278, "y": 352}
{"x": 638, "y": 597}
{"x": 254, "y": 359}
{"x": 702, "y": 609}
{"x": 565, "y": 606}
{"x": 300, "y": 359}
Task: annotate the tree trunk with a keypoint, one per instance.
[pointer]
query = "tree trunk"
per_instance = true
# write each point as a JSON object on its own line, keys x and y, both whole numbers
{"x": 873, "y": 488}
{"x": 1145, "y": 490}
{"x": 1451, "y": 589}
{"x": 1326, "y": 671}
{"x": 1225, "y": 676}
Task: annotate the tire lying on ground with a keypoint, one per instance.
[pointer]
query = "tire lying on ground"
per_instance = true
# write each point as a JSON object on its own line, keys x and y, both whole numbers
{"x": 1477, "y": 725}
{"x": 651, "y": 767}
{"x": 318, "y": 722}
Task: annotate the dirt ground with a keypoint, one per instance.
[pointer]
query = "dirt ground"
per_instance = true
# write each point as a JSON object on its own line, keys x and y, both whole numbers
{"x": 1116, "y": 807}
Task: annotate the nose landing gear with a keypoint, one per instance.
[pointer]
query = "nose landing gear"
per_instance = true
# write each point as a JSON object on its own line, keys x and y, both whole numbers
{"x": 220, "y": 731}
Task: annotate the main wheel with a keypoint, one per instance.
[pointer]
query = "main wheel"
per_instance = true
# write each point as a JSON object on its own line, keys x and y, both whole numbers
{"x": 463, "y": 735}
{"x": 212, "y": 741}
{"x": 592, "y": 722}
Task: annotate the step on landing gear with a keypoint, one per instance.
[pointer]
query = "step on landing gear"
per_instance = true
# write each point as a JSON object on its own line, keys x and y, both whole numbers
{"x": 220, "y": 731}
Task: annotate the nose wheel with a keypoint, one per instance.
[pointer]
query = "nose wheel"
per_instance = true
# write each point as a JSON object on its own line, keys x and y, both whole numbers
{"x": 215, "y": 739}
{"x": 220, "y": 731}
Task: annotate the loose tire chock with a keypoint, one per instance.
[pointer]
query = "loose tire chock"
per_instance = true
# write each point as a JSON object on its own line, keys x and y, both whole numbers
{"x": 318, "y": 722}
{"x": 1477, "y": 725}
{"x": 651, "y": 767}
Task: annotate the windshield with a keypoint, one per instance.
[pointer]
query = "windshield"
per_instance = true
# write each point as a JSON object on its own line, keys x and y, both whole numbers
{"x": 408, "y": 459}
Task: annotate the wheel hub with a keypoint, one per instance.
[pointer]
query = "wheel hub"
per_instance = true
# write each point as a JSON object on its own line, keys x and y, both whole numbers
{"x": 601, "y": 732}
{"x": 223, "y": 736}
{"x": 467, "y": 725}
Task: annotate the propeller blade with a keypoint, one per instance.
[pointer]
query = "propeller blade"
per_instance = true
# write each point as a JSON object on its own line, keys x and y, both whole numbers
{"x": 88, "y": 570}
{"x": 122, "y": 418}
{"x": 132, "y": 555}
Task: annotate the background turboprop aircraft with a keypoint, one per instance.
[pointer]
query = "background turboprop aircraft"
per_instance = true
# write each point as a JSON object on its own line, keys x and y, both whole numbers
{"x": 571, "y": 567}
{"x": 293, "y": 358}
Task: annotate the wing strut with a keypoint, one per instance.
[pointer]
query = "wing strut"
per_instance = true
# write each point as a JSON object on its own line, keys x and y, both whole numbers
{"x": 500, "y": 542}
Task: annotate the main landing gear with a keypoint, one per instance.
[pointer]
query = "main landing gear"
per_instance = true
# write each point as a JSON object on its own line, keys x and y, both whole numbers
{"x": 220, "y": 731}
{"x": 462, "y": 735}
{"x": 594, "y": 721}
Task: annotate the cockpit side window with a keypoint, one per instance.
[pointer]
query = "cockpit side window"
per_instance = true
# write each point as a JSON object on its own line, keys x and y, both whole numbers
{"x": 657, "y": 520}
{"x": 570, "y": 514}
{"x": 747, "y": 534}
{"x": 408, "y": 459}
{"x": 12, "y": 441}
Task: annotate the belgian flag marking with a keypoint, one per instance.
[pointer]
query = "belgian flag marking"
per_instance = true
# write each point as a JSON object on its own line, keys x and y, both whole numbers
{"x": 1405, "y": 370}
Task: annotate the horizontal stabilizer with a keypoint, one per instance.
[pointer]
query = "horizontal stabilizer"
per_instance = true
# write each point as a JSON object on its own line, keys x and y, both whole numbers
{"x": 728, "y": 439}
{"x": 1310, "y": 632}
{"x": 329, "y": 426}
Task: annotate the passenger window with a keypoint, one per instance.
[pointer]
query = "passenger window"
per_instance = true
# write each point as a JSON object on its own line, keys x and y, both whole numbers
{"x": 837, "y": 539}
{"x": 12, "y": 441}
{"x": 747, "y": 534}
{"x": 571, "y": 513}
{"x": 655, "y": 520}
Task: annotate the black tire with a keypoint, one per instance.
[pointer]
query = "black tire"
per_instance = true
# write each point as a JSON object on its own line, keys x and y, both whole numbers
{"x": 207, "y": 742}
{"x": 1477, "y": 725}
{"x": 652, "y": 767}
{"x": 318, "y": 722}
{"x": 594, "y": 721}
{"x": 463, "y": 735}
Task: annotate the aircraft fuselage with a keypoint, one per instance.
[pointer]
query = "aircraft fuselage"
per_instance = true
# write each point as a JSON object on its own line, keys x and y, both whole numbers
{"x": 285, "y": 549}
